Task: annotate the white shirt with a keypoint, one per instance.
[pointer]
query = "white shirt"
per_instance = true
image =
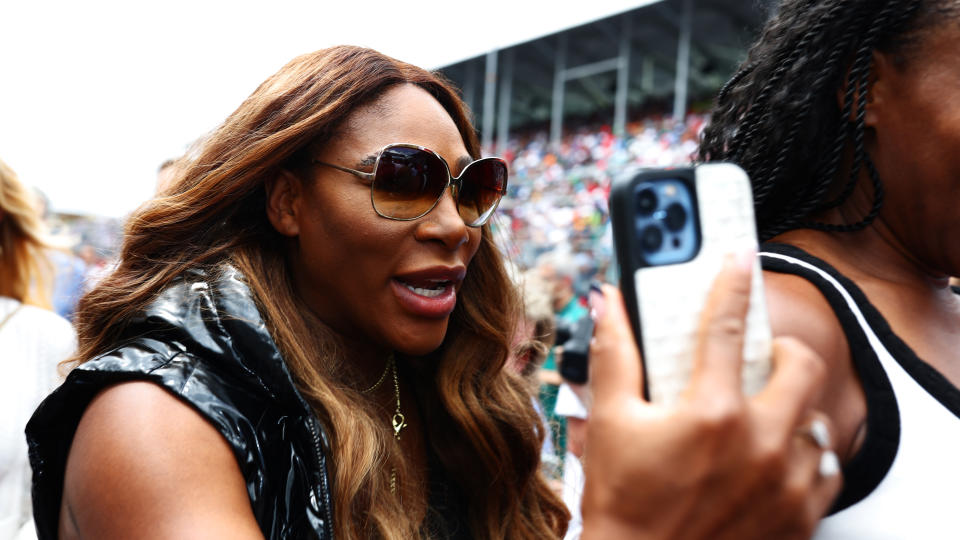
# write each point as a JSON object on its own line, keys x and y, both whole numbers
{"x": 570, "y": 405}
{"x": 32, "y": 342}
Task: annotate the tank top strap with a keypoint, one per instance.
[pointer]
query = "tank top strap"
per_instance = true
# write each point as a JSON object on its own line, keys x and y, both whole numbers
{"x": 869, "y": 466}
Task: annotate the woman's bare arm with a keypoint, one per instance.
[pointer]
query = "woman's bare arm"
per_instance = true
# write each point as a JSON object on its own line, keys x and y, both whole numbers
{"x": 145, "y": 465}
{"x": 798, "y": 309}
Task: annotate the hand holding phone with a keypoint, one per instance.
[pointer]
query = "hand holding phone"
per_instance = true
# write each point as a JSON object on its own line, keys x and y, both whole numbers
{"x": 718, "y": 465}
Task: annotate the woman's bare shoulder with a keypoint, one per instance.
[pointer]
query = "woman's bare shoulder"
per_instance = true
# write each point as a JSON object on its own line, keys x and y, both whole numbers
{"x": 798, "y": 309}
{"x": 144, "y": 464}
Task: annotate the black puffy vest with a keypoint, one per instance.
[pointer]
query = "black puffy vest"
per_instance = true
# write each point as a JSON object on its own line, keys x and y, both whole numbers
{"x": 204, "y": 341}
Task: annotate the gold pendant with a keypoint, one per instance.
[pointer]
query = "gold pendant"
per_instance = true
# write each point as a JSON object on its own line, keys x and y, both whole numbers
{"x": 398, "y": 424}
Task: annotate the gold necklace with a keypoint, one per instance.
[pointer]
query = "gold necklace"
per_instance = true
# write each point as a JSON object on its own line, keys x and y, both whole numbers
{"x": 383, "y": 376}
{"x": 398, "y": 420}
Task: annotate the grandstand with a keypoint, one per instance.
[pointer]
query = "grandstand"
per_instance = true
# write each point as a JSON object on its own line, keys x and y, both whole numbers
{"x": 573, "y": 109}
{"x": 668, "y": 53}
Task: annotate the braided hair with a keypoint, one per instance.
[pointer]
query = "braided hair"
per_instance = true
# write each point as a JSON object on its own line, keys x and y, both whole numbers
{"x": 778, "y": 117}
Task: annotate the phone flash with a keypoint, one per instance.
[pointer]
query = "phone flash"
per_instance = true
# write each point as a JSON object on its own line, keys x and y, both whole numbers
{"x": 669, "y": 190}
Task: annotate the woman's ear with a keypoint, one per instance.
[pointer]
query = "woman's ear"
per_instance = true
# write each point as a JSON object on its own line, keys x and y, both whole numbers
{"x": 284, "y": 197}
{"x": 880, "y": 87}
{"x": 881, "y": 65}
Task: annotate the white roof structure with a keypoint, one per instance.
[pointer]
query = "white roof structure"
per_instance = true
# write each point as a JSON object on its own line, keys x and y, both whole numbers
{"x": 664, "y": 54}
{"x": 520, "y": 21}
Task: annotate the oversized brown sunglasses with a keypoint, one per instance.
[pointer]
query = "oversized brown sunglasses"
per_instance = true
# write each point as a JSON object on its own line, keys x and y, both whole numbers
{"x": 408, "y": 181}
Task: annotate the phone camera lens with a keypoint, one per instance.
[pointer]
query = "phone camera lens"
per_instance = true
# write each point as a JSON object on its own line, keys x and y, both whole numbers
{"x": 676, "y": 217}
{"x": 646, "y": 202}
{"x": 651, "y": 238}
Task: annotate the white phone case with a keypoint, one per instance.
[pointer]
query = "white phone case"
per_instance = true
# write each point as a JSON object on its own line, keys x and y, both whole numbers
{"x": 671, "y": 297}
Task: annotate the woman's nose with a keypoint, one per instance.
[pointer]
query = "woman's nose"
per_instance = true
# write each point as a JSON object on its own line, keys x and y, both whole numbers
{"x": 444, "y": 223}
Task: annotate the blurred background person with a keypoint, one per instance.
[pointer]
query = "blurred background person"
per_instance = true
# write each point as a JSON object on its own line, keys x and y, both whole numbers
{"x": 574, "y": 412}
{"x": 167, "y": 173}
{"x": 96, "y": 266}
{"x": 33, "y": 340}
{"x": 69, "y": 269}
{"x": 573, "y": 409}
{"x": 572, "y": 405}
{"x": 558, "y": 270}
{"x": 536, "y": 331}
{"x": 68, "y": 283}
{"x": 531, "y": 345}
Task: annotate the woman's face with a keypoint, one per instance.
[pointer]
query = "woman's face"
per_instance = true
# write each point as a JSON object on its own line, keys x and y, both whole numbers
{"x": 915, "y": 113}
{"x": 380, "y": 283}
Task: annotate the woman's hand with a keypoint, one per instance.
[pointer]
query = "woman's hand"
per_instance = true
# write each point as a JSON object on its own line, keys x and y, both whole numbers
{"x": 719, "y": 464}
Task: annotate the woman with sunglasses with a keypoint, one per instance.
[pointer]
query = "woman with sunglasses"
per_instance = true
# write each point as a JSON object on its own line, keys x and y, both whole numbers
{"x": 306, "y": 337}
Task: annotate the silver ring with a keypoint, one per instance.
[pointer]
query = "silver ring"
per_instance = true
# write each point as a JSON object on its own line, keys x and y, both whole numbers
{"x": 829, "y": 464}
{"x": 818, "y": 432}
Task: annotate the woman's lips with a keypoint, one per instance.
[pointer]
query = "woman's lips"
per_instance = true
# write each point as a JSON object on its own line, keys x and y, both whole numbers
{"x": 432, "y": 300}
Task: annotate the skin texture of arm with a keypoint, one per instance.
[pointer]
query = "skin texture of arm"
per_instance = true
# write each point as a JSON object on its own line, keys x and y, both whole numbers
{"x": 798, "y": 309}
{"x": 145, "y": 465}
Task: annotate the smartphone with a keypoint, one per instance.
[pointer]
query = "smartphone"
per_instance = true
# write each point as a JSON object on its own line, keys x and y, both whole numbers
{"x": 672, "y": 229}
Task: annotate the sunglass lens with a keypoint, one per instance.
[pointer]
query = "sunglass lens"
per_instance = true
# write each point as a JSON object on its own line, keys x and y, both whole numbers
{"x": 482, "y": 185}
{"x": 408, "y": 181}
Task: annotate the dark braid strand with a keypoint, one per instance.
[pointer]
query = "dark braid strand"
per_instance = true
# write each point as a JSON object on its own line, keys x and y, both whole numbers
{"x": 778, "y": 117}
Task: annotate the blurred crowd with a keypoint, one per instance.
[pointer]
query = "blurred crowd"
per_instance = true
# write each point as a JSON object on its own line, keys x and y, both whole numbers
{"x": 87, "y": 249}
{"x": 558, "y": 195}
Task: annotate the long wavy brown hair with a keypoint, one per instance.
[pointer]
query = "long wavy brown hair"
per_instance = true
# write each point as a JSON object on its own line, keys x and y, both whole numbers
{"x": 25, "y": 272}
{"x": 479, "y": 418}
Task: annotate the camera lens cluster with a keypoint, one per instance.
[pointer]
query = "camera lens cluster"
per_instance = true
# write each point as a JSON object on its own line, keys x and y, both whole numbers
{"x": 664, "y": 223}
{"x": 672, "y": 218}
{"x": 647, "y": 202}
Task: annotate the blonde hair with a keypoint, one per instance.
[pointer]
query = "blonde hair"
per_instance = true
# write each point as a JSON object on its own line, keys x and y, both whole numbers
{"x": 479, "y": 420}
{"x": 538, "y": 311}
{"x": 25, "y": 272}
